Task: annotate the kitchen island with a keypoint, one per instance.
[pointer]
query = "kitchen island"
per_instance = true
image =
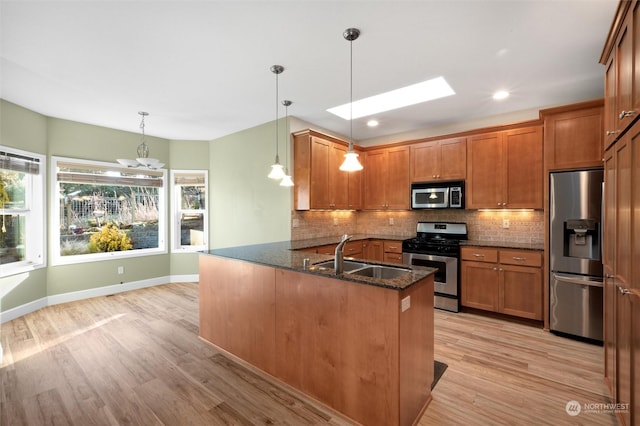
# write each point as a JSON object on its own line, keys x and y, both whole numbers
{"x": 361, "y": 345}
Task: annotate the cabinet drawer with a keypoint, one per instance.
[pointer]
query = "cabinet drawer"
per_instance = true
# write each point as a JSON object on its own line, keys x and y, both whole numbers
{"x": 521, "y": 257}
{"x": 328, "y": 249}
{"x": 479, "y": 254}
{"x": 393, "y": 257}
{"x": 391, "y": 246}
{"x": 353, "y": 248}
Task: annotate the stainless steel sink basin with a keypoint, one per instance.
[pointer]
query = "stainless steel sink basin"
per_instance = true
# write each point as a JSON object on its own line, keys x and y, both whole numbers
{"x": 379, "y": 271}
{"x": 349, "y": 265}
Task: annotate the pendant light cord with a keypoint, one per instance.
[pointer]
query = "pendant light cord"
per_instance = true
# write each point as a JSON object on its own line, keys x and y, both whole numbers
{"x": 351, "y": 96}
{"x": 277, "y": 132}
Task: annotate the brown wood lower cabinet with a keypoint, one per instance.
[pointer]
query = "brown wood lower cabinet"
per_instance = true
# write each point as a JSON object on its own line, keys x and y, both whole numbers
{"x": 392, "y": 251}
{"x": 349, "y": 345}
{"x": 502, "y": 280}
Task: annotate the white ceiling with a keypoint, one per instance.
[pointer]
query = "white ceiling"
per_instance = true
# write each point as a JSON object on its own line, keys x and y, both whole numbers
{"x": 201, "y": 68}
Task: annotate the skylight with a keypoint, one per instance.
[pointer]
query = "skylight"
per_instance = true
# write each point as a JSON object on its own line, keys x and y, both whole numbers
{"x": 429, "y": 90}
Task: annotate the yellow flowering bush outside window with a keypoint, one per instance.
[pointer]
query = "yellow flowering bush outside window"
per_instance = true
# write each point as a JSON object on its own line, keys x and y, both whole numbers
{"x": 110, "y": 238}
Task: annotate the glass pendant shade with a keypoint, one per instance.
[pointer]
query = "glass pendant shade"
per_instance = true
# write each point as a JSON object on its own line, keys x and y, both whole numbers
{"x": 351, "y": 163}
{"x": 286, "y": 180}
{"x": 277, "y": 171}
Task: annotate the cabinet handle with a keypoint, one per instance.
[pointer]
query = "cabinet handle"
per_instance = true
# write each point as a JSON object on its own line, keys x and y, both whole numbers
{"x": 625, "y": 114}
{"x": 623, "y": 291}
{"x": 519, "y": 258}
{"x": 501, "y": 270}
{"x": 611, "y": 132}
{"x": 433, "y": 176}
{"x": 478, "y": 255}
{"x": 495, "y": 269}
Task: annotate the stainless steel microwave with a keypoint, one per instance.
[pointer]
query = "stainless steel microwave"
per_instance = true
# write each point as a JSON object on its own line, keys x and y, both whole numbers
{"x": 441, "y": 195}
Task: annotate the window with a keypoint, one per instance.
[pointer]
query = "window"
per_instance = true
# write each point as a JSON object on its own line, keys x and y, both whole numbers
{"x": 190, "y": 217}
{"x": 22, "y": 242}
{"x": 103, "y": 211}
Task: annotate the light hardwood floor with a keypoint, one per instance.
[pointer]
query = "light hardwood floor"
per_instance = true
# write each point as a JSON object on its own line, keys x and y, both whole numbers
{"x": 134, "y": 358}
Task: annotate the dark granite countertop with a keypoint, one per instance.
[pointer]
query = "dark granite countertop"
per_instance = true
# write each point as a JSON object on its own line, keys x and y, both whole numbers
{"x": 284, "y": 255}
{"x": 503, "y": 244}
{"x": 315, "y": 242}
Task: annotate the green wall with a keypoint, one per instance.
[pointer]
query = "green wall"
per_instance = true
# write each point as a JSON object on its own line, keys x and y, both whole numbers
{"x": 245, "y": 206}
{"x": 27, "y": 130}
{"x": 187, "y": 155}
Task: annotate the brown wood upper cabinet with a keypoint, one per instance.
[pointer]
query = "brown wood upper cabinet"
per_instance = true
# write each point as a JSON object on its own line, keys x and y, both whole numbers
{"x": 622, "y": 84}
{"x": 573, "y": 137}
{"x": 386, "y": 179}
{"x": 319, "y": 183}
{"x": 504, "y": 169}
{"x": 439, "y": 160}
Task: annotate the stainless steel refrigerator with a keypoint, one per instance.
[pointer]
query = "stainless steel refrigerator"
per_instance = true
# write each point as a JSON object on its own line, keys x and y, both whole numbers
{"x": 575, "y": 253}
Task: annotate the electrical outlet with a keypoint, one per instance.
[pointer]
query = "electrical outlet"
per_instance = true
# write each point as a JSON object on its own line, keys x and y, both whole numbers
{"x": 120, "y": 270}
{"x": 505, "y": 223}
{"x": 405, "y": 303}
{"x": 391, "y": 221}
{"x": 335, "y": 221}
{"x": 295, "y": 223}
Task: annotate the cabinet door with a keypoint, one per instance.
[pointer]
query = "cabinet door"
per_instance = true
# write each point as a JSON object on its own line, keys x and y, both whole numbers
{"x": 425, "y": 161}
{"x": 375, "y": 176}
{"x": 480, "y": 285}
{"x": 523, "y": 179}
{"x": 398, "y": 185}
{"x": 573, "y": 139}
{"x": 521, "y": 291}
{"x": 373, "y": 250}
{"x": 484, "y": 171}
{"x": 610, "y": 86}
{"x": 319, "y": 186}
{"x": 622, "y": 262}
{"x": 453, "y": 159}
{"x": 608, "y": 260}
{"x": 338, "y": 180}
{"x": 624, "y": 67}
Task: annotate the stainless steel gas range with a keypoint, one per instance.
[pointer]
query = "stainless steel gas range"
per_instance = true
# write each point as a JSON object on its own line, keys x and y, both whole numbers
{"x": 437, "y": 245}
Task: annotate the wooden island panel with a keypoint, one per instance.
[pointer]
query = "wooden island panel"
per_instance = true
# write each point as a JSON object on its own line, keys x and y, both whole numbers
{"x": 237, "y": 309}
{"x": 335, "y": 332}
{"x": 347, "y": 344}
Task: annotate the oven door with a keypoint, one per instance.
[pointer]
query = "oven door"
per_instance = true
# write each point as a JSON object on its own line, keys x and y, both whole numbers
{"x": 446, "y": 276}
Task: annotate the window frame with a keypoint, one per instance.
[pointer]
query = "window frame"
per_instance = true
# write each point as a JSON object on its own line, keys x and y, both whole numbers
{"x": 35, "y": 217}
{"x": 176, "y": 212}
{"x": 58, "y": 259}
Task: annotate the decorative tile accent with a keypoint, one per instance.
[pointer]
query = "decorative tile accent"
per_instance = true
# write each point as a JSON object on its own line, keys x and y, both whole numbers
{"x": 524, "y": 226}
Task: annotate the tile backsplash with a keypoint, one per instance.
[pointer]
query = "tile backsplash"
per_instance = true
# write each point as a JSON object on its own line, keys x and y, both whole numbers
{"x": 524, "y": 226}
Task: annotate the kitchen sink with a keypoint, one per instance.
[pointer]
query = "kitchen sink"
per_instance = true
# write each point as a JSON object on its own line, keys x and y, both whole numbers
{"x": 349, "y": 265}
{"x": 364, "y": 269}
{"x": 379, "y": 271}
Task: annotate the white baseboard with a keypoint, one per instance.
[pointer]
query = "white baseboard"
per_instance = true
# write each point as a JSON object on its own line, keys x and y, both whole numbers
{"x": 57, "y": 299}
{"x": 21, "y": 310}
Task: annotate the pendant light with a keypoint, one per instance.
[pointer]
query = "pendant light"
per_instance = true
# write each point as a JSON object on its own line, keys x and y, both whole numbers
{"x": 277, "y": 171}
{"x": 142, "y": 160}
{"x": 286, "y": 180}
{"x": 351, "y": 163}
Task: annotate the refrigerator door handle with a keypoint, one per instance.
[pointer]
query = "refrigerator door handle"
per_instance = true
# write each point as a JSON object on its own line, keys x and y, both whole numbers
{"x": 576, "y": 279}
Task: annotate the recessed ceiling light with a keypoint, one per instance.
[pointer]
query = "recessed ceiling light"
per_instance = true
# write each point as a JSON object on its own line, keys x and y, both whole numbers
{"x": 500, "y": 95}
{"x": 410, "y": 95}
{"x": 372, "y": 123}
